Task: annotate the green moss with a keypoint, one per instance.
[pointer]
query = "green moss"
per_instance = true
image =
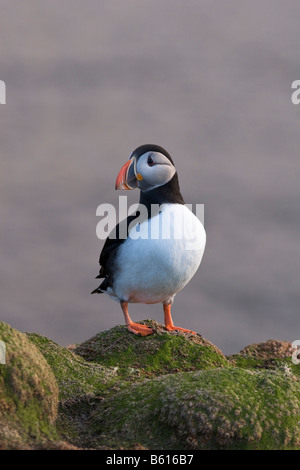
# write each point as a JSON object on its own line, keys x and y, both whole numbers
{"x": 110, "y": 362}
{"x": 28, "y": 393}
{"x": 212, "y": 409}
{"x": 246, "y": 362}
{"x": 259, "y": 356}
{"x": 75, "y": 376}
{"x": 152, "y": 355}
{"x": 164, "y": 391}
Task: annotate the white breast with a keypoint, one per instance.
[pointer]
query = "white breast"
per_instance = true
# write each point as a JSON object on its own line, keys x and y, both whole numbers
{"x": 160, "y": 256}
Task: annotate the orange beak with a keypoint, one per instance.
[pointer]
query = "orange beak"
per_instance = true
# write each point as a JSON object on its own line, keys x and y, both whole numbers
{"x": 122, "y": 178}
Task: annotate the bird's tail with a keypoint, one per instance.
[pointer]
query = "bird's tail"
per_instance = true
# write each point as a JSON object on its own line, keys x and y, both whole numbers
{"x": 103, "y": 286}
{"x": 97, "y": 291}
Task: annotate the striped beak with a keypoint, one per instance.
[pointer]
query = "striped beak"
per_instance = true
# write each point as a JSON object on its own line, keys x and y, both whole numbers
{"x": 126, "y": 178}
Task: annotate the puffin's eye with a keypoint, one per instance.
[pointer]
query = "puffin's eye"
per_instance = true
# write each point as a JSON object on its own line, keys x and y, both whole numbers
{"x": 150, "y": 161}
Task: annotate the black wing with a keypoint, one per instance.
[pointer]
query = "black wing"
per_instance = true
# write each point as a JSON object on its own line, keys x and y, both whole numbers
{"x": 109, "y": 253}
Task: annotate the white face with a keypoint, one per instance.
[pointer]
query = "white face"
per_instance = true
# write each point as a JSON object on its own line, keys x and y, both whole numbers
{"x": 153, "y": 169}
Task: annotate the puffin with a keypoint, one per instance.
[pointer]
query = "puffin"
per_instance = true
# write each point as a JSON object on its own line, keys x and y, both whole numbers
{"x": 152, "y": 254}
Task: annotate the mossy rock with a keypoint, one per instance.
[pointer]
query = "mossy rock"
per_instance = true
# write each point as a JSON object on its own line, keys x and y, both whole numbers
{"x": 210, "y": 409}
{"x": 77, "y": 378}
{"x": 28, "y": 394}
{"x": 149, "y": 356}
{"x": 271, "y": 354}
{"x": 170, "y": 390}
{"x": 110, "y": 362}
{"x": 271, "y": 348}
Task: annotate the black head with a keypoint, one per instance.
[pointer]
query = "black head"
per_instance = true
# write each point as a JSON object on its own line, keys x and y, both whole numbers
{"x": 142, "y": 149}
{"x": 152, "y": 170}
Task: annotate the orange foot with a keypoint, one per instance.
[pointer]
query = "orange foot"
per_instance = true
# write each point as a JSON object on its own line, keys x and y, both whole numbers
{"x": 177, "y": 328}
{"x": 136, "y": 328}
{"x": 139, "y": 329}
{"x": 169, "y": 322}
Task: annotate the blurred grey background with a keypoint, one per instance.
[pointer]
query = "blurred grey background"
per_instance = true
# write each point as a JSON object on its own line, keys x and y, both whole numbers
{"x": 87, "y": 82}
